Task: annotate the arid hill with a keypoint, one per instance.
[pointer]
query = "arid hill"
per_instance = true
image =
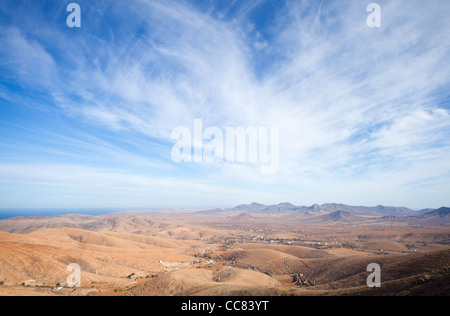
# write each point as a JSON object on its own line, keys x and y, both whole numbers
{"x": 199, "y": 252}
{"x": 41, "y": 258}
{"x": 244, "y": 217}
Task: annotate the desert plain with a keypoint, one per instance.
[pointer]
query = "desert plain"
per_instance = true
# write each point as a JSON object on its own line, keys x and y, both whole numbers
{"x": 248, "y": 250}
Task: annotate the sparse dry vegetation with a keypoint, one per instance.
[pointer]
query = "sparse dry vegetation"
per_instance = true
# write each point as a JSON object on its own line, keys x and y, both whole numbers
{"x": 224, "y": 253}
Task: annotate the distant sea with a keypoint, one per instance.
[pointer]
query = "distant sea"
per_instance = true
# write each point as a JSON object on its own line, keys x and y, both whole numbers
{"x": 5, "y": 214}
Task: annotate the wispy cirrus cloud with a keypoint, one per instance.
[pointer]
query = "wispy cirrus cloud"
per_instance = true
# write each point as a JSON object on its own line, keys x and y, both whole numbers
{"x": 356, "y": 106}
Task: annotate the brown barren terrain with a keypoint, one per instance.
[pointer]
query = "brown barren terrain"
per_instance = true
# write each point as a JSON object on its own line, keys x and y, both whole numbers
{"x": 224, "y": 252}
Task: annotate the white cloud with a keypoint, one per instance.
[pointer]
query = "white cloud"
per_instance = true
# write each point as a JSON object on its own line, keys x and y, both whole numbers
{"x": 353, "y": 104}
{"x": 28, "y": 59}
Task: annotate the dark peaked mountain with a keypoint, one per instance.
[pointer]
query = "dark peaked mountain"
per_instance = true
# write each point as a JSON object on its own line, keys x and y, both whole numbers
{"x": 281, "y": 208}
{"x": 348, "y": 213}
{"x": 339, "y": 216}
{"x": 426, "y": 210}
{"x": 379, "y": 210}
{"x": 254, "y": 207}
{"x": 441, "y": 212}
{"x": 440, "y": 216}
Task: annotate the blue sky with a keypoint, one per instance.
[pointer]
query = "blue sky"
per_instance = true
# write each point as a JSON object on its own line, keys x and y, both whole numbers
{"x": 86, "y": 114}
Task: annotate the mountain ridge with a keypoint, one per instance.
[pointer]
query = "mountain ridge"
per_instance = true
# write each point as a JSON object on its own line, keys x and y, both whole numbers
{"x": 378, "y": 210}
